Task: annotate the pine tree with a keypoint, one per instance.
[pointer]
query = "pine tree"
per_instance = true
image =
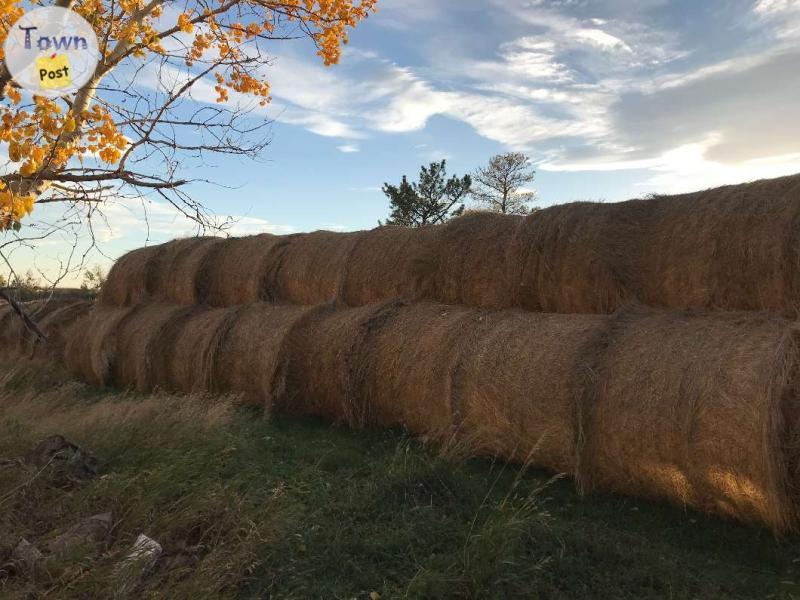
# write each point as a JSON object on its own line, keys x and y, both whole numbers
{"x": 433, "y": 199}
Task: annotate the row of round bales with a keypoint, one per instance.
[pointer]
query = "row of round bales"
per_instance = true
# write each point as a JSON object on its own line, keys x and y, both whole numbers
{"x": 732, "y": 248}
{"x": 700, "y": 409}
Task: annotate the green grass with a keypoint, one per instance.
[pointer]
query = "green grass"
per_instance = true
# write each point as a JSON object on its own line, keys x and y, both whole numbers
{"x": 255, "y": 508}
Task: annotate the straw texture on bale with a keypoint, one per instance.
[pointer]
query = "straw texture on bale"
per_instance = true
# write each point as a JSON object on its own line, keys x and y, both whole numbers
{"x": 137, "y": 333}
{"x": 127, "y": 280}
{"x": 252, "y": 353}
{"x": 702, "y": 411}
{"x": 325, "y": 353}
{"x": 411, "y": 364}
{"x": 471, "y": 254}
{"x": 13, "y": 330}
{"x": 55, "y": 325}
{"x": 578, "y": 258}
{"x": 732, "y": 248}
{"x": 52, "y": 317}
{"x": 522, "y": 390}
{"x": 183, "y": 352}
{"x": 388, "y": 263}
{"x": 173, "y": 271}
{"x": 312, "y": 267}
{"x": 92, "y": 344}
{"x": 238, "y": 270}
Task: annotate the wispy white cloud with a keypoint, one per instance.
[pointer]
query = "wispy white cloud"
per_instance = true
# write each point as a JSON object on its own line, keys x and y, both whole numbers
{"x": 578, "y": 87}
{"x": 348, "y": 148}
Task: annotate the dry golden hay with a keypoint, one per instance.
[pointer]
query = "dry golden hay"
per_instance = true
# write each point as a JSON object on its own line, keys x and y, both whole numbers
{"x": 731, "y": 248}
{"x": 183, "y": 352}
{"x": 520, "y": 389}
{"x": 616, "y": 401}
{"x": 237, "y": 270}
{"x": 734, "y": 247}
{"x": 390, "y": 262}
{"x": 136, "y": 332}
{"x": 701, "y": 410}
{"x": 578, "y": 258}
{"x": 127, "y": 280}
{"x": 312, "y": 267}
{"x": 410, "y": 367}
{"x": 251, "y": 353}
{"x": 173, "y": 271}
{"x": 324, "y": 362}
{"x": 472, "y": 257}
{"x": 17, "y": 338}
{"x": 92, "y": 344}
{"x": 11, "y": 330}
{"x": 55, "y": 326}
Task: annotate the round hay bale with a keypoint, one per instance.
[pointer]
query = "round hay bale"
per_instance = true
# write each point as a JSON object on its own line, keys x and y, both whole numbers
{"x": 390, "y": 262}
{"x": 55, "y": 326}
{"x": 473, "y": 260}
{"x": 237, "y": 270}
{"x": 172, "y": 275}
{"x": 136, "y": 331}
{"x": 20, "y": 339}
{"x": 578, "y": 258}
{"x": 252, "y": 352}
{"x": 91, "y": 345}
{"x": 325, "y": 366}
{"x": 312, "y": 267}
{"x": 734, "y": 247}
{"x": 183, "y": 352}
{"x": 520, "y": 389}
{"x": 127, "y": 280}
{"x": 410, "y": 366}
{"x": 701, "y": 410}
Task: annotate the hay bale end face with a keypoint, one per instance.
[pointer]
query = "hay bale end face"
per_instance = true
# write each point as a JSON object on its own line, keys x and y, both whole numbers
{"x": 138, "y": 332}
{"x": 56, "y": 327}
{"x": 183, "y": 353}
{"x": 173, "y": 274}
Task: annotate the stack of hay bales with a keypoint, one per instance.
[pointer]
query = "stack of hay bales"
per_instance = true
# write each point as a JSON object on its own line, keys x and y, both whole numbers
{"x": 561, "y": 339}
{"x": 731, "y": 248}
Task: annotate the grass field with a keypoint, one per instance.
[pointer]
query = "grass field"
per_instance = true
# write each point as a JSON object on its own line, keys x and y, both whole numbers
{"x": 251, "y": 507}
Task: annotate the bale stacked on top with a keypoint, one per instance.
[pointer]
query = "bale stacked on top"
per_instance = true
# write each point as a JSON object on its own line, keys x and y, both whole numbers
{"x": 54, "y": 318}
{"x": 699, "y": 409}
{"x": 731, "y": 248}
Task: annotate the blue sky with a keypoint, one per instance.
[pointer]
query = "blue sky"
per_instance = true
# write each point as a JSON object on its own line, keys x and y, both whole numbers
{"x": 610, "y": 99}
